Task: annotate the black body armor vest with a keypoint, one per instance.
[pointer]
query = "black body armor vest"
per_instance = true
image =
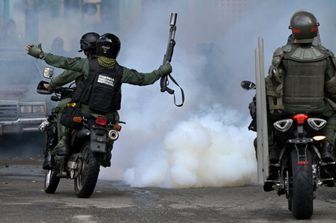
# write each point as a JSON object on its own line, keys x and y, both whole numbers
{"x": 304, "y": 80}
{"x": 102, "y": 89}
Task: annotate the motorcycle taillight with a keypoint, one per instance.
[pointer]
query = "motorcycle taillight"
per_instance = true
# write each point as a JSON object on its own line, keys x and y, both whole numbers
{"x": 100, "y": 120}
{"x": 300, "y": 119}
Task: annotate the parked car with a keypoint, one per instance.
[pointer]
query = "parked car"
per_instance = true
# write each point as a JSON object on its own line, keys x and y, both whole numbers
{"x": 21, "y": 109}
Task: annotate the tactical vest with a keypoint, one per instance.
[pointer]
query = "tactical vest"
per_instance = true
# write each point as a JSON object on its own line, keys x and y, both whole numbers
{"x": 304, "y": 79}
{"x": 102, "y": 90}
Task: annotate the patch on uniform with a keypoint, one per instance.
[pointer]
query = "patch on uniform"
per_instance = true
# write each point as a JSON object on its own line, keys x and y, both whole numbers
{"x": 105, "y": 80}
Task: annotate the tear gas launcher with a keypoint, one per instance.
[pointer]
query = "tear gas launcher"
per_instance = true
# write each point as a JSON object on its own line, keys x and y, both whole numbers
{"x": 164, "y": 82}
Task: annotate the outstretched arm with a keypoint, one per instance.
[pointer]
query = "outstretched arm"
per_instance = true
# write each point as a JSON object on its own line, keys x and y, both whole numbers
{"x": 134, "y": 77}
{"x": 76, "y": 64}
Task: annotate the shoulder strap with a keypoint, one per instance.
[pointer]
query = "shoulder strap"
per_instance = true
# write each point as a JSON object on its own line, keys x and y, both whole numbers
{"x": 93, "y": 65}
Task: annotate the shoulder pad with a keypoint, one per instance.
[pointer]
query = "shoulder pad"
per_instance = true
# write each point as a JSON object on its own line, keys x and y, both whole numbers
{"x": 329, "y": 52}
{"x": 277, "y": 56}
{"x": 325, "y": 50}
{"x": 278, "y": 52}
{"x": 322, "y": 48}
{"x": 307, "y": 54}
{"x": 287, "y": 48}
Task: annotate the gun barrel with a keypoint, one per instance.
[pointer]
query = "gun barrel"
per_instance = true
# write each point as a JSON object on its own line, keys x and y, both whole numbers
{"x": 173, "y": 17}
{"x": 169, "y": 52}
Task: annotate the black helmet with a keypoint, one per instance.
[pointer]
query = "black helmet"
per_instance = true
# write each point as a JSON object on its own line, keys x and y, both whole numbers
{"x": 304, "y": 27}
{"x": 108, "y": 45}
{"x": 88, "y": 41}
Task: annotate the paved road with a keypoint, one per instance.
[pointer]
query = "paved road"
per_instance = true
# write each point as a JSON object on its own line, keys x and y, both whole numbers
{"x": 22, "y": 200}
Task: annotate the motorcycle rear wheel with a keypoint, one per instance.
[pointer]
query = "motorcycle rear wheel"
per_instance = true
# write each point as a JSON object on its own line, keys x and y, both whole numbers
{"x": 302, "y": 196}
{"x": 51, "y": 181}
{"x": 86, "y": 180}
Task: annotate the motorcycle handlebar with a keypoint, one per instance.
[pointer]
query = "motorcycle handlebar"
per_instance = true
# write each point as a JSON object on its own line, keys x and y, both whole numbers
{"x": 63, "y": 91}
{"x": 60, "y": 90}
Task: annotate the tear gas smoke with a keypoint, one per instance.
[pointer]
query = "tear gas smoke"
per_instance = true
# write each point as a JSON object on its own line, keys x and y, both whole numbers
{"x": 206, "y": 150}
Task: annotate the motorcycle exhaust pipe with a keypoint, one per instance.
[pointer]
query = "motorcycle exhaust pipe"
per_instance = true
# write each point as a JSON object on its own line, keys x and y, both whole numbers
{"x": 113, "y": 135}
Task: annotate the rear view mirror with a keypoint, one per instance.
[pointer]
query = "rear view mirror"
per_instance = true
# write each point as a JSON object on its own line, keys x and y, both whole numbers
{"x": 41, "y": 89}
{"x": 48, "y": 72}
{"x": 248, "y": 85}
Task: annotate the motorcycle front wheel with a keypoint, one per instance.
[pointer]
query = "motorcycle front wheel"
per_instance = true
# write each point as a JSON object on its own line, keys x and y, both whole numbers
{"x": 51, "y": 181}
{"x": 302, "y": 195}
{"x": 86, "y": 180}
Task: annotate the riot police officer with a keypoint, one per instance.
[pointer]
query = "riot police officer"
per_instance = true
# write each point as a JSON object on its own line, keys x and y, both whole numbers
{"x": 302, "y": 79}
{"x": 104, "y": 75}
{"x": 88, "y": 46}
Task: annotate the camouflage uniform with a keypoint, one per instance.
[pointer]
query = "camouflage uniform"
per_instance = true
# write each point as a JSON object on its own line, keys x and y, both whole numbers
{"x": 57, "y": 81}
{"x": 130, "y": 76}
{"x": 80, "y": 67}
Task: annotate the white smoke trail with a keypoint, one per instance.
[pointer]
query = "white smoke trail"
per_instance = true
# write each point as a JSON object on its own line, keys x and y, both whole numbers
{"x": 206, "y": 150}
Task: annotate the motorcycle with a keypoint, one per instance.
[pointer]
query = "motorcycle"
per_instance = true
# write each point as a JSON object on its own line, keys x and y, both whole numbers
{"x": 90, "y": 145}
{"x": 300, "y": 169}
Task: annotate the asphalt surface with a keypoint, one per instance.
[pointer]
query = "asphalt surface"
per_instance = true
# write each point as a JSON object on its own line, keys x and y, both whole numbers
{"x": 23, "y": 200}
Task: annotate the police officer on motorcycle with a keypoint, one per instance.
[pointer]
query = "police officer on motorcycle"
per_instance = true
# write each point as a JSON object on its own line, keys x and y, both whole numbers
{"x": 302, "y": 79}
{"x": 100, "y": 92}
{"x": 88, "y": 46}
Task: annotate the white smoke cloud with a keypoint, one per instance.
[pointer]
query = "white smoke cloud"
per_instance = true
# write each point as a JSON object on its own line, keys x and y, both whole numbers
{"x": 206, "y": 150}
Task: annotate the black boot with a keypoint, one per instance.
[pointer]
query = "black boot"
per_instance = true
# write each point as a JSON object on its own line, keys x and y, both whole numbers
{"x": 273, "y": 176}
{"x": 61, "y": 149}
{"x": 328, "y": 168}
{"x": 46, "y": 162}
{"x": 273, "y": 155}
{"x": 327, "y": 153}
{"x": 106, "y": 162}
{"x": 271, "y": 179}
{"x": 327, "y": 176}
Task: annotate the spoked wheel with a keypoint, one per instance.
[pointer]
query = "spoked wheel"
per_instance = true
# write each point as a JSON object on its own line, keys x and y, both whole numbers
{"x": 51, "y": 181}
{"x": 86, "y": 180}
{"x": 302, "y": 187}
